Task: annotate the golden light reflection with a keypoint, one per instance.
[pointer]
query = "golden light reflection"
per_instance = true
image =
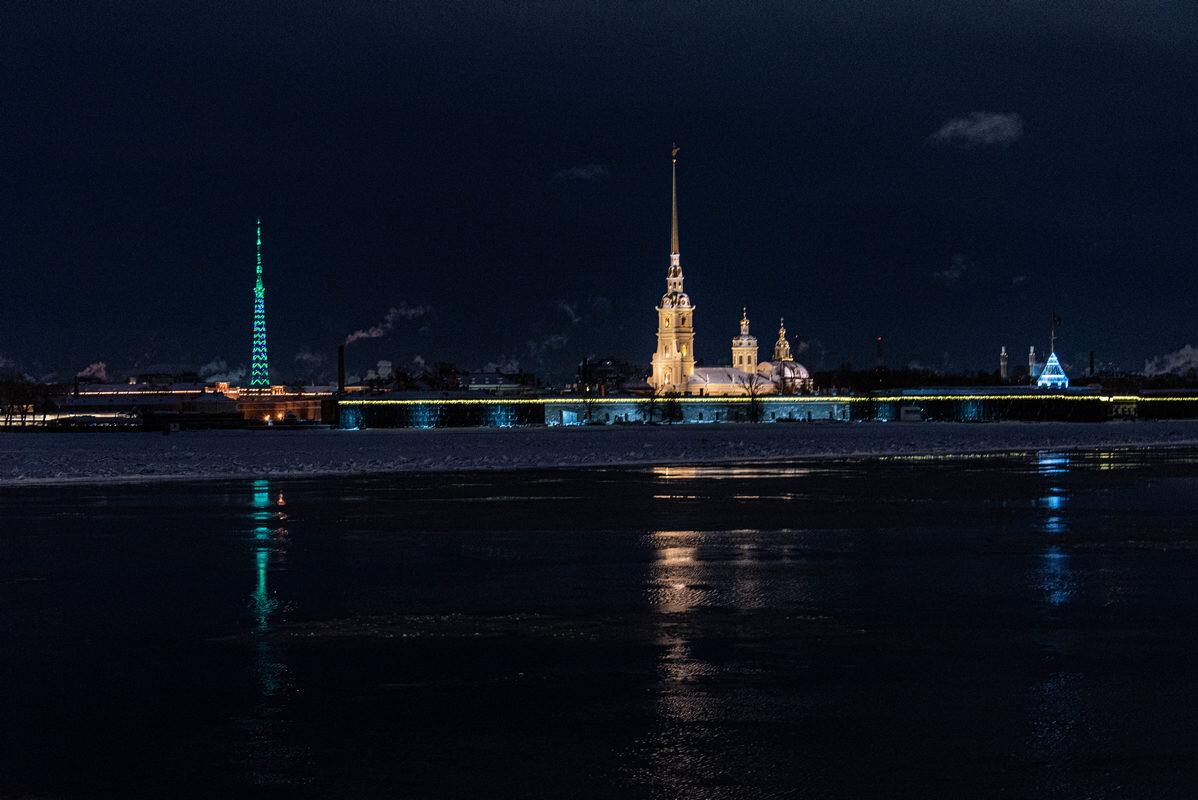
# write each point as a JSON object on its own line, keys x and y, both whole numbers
{"x": 728, "y": 471}
{"x": 675, "y": 585}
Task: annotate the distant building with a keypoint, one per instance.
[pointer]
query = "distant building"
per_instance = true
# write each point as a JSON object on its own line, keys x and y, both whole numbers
{"x": 1053, "y": 377}
{"x": 493, "y": 382}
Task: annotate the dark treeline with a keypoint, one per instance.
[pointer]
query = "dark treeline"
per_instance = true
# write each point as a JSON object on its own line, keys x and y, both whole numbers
{"x": 845, "y": 378}
{"x": 22, "y": 400}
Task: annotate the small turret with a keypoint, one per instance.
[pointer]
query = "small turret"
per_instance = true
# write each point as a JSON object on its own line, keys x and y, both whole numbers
{"x": 782, "y": 347}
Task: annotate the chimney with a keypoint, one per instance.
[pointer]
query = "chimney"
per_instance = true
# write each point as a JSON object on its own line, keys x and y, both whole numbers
{"x": 341, "y": 369}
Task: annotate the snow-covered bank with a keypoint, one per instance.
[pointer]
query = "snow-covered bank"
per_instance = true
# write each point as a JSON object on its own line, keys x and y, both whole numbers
{"x": 34, "y": 459}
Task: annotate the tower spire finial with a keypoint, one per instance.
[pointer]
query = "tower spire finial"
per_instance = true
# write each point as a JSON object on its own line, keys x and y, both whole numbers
{"x": 259, "y": 252}
{"x": 674, "y": 187}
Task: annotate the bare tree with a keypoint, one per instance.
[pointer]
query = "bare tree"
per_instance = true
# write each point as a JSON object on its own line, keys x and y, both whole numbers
{"x": 754, "y": 385}
{"x": 648, "y": 408}
{"x": 671, "y": 409}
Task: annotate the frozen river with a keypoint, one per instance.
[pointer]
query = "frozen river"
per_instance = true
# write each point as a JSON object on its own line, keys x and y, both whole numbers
{"x": 951, "y": 626}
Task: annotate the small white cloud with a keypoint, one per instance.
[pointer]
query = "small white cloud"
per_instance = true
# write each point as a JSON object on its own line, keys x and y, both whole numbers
{"x": 591, "y": 173}
{"x": 1180, "y": 362}
{"x": 958, "y": 267}
{"x": 1018, "y": 279}
{"x": 979, "y": 129}
{"x": 418, "y": 363}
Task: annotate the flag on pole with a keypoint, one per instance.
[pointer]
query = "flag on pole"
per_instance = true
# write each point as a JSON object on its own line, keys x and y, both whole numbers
{"x": 1056, "y": 320}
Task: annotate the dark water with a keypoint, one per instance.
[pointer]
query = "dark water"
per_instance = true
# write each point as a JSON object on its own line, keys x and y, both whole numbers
{"x": 966, "y": 627}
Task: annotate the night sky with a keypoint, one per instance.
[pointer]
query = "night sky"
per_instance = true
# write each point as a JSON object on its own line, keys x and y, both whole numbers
{"x": 488, "y": 182}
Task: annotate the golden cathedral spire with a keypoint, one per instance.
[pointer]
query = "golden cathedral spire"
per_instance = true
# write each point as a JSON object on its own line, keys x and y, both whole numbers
{"x": 674, "y": 186}
{"x": 674, "y": 361}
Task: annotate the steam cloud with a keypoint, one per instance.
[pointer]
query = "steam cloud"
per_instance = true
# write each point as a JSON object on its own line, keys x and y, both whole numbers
{"x": 979, "y": 129}
{"x": 384, "y": 371}
{"x": 403, "y": 311}
{"x": 217, "y": 371}
{"x": 503, "y": 364}
{"x": 99, "y": 371}
{"x": 1180, "y": 362}
{"x": 306, "y": 356}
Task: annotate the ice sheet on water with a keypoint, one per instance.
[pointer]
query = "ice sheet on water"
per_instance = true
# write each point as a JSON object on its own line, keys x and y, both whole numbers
{"x": 126, "y": 457}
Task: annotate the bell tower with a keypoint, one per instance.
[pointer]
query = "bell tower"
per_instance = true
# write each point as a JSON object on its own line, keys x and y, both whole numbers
{"x": 744, "y": 347}
{"x": 674, "y": 361}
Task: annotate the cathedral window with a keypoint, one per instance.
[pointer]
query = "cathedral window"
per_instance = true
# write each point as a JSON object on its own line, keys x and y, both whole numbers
{"x": 684, "y": 350}
{"x": 667, "y": 349}
{"x": 667, "y": 322}
{"x": 684, "y": 322}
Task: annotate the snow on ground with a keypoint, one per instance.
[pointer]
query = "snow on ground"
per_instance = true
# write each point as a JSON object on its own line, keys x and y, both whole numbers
{"x": 63, "y": 458}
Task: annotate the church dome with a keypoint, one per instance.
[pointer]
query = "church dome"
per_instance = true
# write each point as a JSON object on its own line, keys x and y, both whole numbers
{"x": 793, "y": 370}
{"x": 675, "y": 300}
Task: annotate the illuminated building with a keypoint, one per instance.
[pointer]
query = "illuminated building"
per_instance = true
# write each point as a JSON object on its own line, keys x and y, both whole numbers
{"x": 674, "y": 369}
{"x": 674, "y": 361}
{"x": 1053, "y": 377}
{"x": 259, "y": 370}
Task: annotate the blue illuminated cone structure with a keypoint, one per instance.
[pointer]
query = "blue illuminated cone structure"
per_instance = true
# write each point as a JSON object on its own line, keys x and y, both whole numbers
{"x": 1053, "y": 376}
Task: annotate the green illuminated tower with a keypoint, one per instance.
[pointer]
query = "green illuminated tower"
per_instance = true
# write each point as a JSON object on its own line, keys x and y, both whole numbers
{"x": 259, "y": 372}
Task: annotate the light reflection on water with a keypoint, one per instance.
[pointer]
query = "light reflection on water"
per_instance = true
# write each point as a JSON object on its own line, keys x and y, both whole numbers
{"x": 727, "y": 472}
{"x": 1055, "y": 704}
{"x": 265, "y": 754}
{"x": 700, "y": 581}
{"x": 1053, "y": 575}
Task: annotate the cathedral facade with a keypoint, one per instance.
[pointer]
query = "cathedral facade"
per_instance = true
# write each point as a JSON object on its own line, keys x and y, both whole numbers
{"x": 674, "y": 370}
